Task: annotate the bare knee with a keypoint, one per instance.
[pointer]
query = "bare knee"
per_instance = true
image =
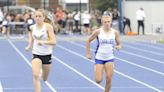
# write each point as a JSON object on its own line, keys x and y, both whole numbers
{"x": 45, "y": 72}
{"x": 108, "y": 79}
{"x": 36, "y": 76}
{"x": 98, "y": 80}
{"x": 36, "y": 66}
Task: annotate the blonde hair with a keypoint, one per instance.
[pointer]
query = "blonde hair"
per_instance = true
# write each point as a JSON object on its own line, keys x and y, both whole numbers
{"x": 106, "y": 17}
{"x": 46, "y": 19}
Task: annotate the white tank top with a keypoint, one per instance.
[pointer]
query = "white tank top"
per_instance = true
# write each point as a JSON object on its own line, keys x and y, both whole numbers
{"x": 105, "y": 45}
{"x": 41, "y": 34}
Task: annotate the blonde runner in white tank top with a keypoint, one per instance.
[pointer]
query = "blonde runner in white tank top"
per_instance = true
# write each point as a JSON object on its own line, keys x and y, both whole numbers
{"x": 105, "y": 45}
{"x": 41, "y": 34}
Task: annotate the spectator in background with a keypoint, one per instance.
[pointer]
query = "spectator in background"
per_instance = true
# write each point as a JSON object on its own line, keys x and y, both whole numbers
{"x": 64, "y": 21}
{"x": 108, "y": 12}
{"x": 140, "y": 15}
{"x": 59, "y": 18}
{"x": 86, "y": 19}
{"x": 70, "y": 22}
{"x": 30, "y": 21}
{"x": 6, "y": 26}
{"x": 126, "y": 22}
{"x": 1, "y": 16}
{"x": 115, "y": 16}
{"x": 17, "y": 18}
{"x": 1, "y": 19}
{"x": 77, "y": 20}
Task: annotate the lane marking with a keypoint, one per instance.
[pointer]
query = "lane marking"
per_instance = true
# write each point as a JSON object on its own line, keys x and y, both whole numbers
{"x": 27, "y": 61}
{"x": 143, "y": 50}
{"x": 148, "y": 45}
{"x": 126, "y": 61}
{"x": 1, "y": 88}
{"x": 151, "y": 59}
{"x": 140, "y": 82}
{"x": 140, "y": 56}
{"x": 76, "y": 71}
{"x": 123, "y": 87}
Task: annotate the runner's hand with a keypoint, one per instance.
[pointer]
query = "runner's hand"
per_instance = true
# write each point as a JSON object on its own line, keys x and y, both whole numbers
{"x": 27, "y": 48}
{"x": 118, "y": 47}
{"x": 89, "y": 56}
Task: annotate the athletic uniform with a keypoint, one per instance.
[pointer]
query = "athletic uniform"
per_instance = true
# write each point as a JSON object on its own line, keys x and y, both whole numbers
{"x": 43, "y": 51}
{"x": 104, "y": 52}
{"x": 6, "y": 23}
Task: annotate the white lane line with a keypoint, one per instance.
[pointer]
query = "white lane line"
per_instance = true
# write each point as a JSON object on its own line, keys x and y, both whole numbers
{"x": 123, "y": 87}
{"x": 76, "y": 71}
{"x": 140, "y": 82}
{"x": 126, "y": 61}
{"x": 151, "y": 59}
{"x": 140, "y": 56}
{"x": 143, "y": 67}
{"x": 148, "y": 45}
{"x": 143, "y": 50}
{"x": 1, "y": 88}
{"x": 27, "y": 61}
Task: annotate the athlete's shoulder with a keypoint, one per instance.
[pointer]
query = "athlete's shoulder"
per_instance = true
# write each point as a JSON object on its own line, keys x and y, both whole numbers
{"x": 97, "y": 31}
{"x": 114, "y": 30}
{"x": 48, "y": 25}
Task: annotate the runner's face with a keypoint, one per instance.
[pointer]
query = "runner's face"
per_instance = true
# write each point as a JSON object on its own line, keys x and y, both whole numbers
{"x": 106, "y": 22}
{"x": 39, "y": 18}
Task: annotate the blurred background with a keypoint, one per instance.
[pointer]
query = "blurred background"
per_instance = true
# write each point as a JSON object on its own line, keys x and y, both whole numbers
{"x": 75, "y": 13}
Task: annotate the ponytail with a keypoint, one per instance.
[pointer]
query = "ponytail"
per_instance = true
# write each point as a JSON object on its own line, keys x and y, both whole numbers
{"x": 47, "y": 20}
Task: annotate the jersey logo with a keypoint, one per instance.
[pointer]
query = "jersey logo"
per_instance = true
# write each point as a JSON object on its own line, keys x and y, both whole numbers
{"x": 50, "y": 60}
